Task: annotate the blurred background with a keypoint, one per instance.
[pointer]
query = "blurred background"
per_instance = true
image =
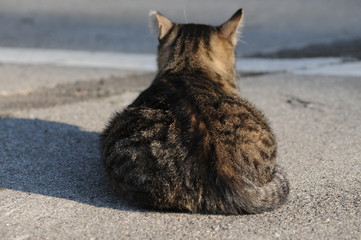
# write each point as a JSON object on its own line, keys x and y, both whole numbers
{"x": 273, "y": 28}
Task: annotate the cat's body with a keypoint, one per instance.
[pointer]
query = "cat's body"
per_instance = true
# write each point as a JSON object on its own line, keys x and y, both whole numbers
{"x": 189, "y": 142}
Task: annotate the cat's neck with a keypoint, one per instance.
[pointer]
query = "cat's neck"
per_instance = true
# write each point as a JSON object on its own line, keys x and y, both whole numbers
{"x": 225, "y": 79}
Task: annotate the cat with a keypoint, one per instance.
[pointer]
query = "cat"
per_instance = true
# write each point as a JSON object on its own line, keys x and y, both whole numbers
{"x": 189, "y": 142}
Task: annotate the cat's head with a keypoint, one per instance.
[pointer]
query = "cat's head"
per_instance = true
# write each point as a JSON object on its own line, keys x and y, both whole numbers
{"x": 197, "y": 44}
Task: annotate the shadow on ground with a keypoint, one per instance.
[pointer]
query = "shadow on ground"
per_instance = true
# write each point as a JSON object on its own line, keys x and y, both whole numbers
{"x": 54, "y": 159}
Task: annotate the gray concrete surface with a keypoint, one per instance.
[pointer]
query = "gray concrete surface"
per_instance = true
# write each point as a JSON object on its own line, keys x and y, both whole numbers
{"x": 32, "y": 77}
{"x": 112, "y": 25}
{"x": 52, "y": 184}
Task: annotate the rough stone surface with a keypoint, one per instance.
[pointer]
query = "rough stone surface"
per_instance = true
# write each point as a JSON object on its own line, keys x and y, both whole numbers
{"x": 52, "y": 184}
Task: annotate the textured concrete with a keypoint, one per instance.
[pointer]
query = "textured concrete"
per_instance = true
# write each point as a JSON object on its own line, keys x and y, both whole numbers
{"x": 52, "y": 184}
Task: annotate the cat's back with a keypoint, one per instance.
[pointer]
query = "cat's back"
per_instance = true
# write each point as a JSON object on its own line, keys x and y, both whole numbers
{"x": 214, "y": 122}
{"x": 189, "y": 141}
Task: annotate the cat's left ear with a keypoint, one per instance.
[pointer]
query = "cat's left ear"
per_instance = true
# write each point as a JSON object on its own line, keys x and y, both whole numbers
{"x": 161, "y": 24}
{"x": 230, "y": 30}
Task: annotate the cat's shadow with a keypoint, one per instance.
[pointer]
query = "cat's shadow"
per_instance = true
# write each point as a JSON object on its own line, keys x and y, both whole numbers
{"x": 54, "y": 159}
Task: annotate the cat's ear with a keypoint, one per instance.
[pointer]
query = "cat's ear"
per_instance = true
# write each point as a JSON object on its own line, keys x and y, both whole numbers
{"x": 230, "y": 30}
{"x": 160, "y": 24}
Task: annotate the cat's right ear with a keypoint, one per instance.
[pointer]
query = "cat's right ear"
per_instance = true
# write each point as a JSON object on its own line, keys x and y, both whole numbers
{"x": 160, "y": 24}
{"x": 230, "y": 30}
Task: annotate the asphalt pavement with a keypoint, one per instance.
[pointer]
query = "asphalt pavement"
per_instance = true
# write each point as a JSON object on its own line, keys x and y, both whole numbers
{"x": 53, "y": 185}
{"x": 122, "y": 26}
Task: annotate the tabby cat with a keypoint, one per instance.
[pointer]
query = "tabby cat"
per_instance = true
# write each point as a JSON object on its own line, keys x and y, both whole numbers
{"x": 189, "y": 142}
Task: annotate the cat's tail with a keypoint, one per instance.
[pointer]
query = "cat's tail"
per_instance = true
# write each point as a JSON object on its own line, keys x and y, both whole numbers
{"x": 257, "y": 199}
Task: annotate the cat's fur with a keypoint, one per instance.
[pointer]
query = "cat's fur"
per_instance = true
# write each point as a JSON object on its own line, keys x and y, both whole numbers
{"x": 189, "y": 142}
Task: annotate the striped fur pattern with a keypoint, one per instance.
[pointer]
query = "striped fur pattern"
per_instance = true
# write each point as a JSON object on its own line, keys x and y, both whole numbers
{"x": 189, "y": 142}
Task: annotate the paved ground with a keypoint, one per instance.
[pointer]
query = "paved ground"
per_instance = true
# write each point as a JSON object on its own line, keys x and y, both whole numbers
{"x": 52, "y": 184}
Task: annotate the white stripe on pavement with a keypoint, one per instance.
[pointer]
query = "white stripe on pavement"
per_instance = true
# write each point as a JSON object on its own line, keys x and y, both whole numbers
{"x": 78, "y": 58}
{"x": 324, "y": 66}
